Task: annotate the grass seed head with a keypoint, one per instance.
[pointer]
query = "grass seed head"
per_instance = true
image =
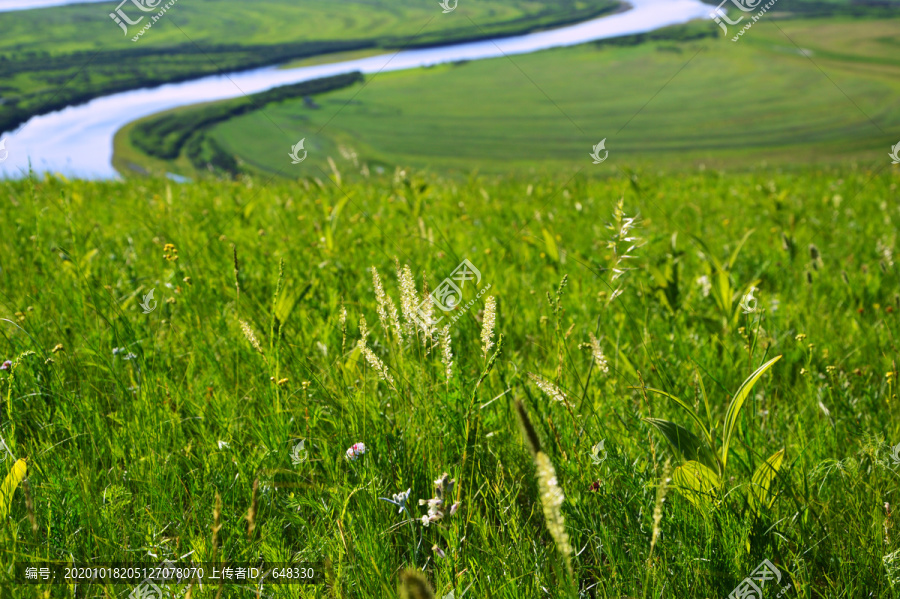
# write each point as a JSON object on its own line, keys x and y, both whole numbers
{"x": 554, "y": 392}
{"x": 413, "y": 585}
{"x": 487, "y": 324}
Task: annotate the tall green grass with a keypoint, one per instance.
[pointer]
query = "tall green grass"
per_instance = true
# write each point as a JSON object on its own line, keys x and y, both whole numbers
{"x": 128, "y": 450}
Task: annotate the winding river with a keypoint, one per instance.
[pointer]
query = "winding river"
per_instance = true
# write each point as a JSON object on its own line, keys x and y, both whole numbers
{"x": 78, "y": 140}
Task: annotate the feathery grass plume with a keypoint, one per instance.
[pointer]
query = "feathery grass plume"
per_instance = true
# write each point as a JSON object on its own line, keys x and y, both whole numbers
{"x": 622, "y": 237}
{"x": 487, "y": 324}
{"x": 446, "y": 351}
{"x": 363, "y": 331}
{"x": 251, "y": 513}
{"x": 381, "y": 298}
{"x": 342, "y": 318}
{"x": 216, "y": 526}
{"x": 551, "y": 495}
{"x": 661, "y": 490}
{"x": 413, "y": 585}
{"x": 409, "y": 299}
{"x": 387, "y": 310}
{"x": 251, "y": 337}
{"x": 554, "y": 392}
{"x": 552, "y": 499}
{"x": 597, "y": 353}
{"x": 376, "y": 363}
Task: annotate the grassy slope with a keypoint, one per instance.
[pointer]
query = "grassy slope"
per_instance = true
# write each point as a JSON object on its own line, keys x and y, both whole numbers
{"x": 754, "y": 101}
{"x": 89, "y": 55}
{"x": 125, "y": 455}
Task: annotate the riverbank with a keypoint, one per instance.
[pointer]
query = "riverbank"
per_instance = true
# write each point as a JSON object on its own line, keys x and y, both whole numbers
{"x": 89, "y": 57}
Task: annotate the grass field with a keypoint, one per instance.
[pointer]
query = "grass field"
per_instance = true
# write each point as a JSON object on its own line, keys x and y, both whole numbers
{"x": 673, "y": 102}
{"x": 90, "y": 56}
{"x": 133, "y": 423}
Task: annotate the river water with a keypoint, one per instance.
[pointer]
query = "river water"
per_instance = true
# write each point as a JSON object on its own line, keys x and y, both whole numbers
{"x": 11, "y": 5}
{"x": 78, "y": 140}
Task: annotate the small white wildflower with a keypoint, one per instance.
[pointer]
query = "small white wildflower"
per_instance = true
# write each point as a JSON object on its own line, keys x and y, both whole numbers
{"x": 705, "y": 285}
{"x": 223, "y": 445}
{"x": 436, "y": 505}
{"x": 398, "y": 499}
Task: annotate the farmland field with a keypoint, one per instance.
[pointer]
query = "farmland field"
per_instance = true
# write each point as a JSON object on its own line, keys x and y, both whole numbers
{"x": 762, "y": 101}
{"x": 90, "y": 56}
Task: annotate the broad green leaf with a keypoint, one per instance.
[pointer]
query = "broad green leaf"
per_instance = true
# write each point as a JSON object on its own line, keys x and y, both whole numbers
{"x": 286, "y": 301}
{"x": 689, "y": 445}
{"x": 687, "y": 408}
{"x": 550, "y": 243}
{"x": 737, "y": 250}
{"x": 697, "y": 483}
{"x": 15, "y": 476}
{"x": 723, "y": 291}
{"x": 737, "y": 403}
{"x": 762, "y": 480}
{"x": 351, "y": 364}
